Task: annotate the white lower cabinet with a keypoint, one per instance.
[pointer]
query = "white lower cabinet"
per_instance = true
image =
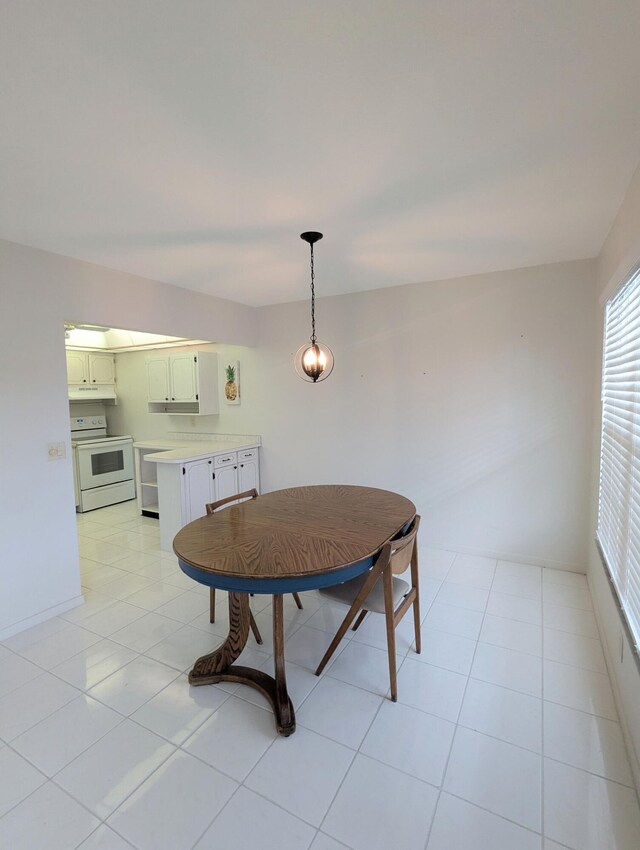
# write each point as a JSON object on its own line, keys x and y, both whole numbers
{"x": 197, "y": 487}
{"x": 184, "y": 489}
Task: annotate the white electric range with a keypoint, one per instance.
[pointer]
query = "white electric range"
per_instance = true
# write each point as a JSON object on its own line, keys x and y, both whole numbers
{"x": 102, "y": 465}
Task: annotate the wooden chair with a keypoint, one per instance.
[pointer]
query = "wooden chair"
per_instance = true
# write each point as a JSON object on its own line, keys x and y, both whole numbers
{"x": 381, "y": 591}
{"x": 211, "y": 508}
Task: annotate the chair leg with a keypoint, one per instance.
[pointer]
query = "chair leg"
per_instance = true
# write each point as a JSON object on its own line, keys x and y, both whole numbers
{"x": 358, "y": 602}
{"x": 212, "y": 604}
{"x": 297, "y": 600}
{"x": 415, "y": 581}
{"x": 254, "y": 628}
{"x": 391, "y": 632}
{"x": 361, "y": 617}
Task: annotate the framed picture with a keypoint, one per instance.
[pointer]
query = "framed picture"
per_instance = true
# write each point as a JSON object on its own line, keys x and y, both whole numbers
{"x": 232, "y": 382}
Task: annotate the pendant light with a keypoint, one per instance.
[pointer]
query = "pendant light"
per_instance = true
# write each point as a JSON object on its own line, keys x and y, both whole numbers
{"x": 313, "y": 362}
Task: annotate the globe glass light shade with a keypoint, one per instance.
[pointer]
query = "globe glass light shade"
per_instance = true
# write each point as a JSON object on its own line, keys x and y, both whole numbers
{"x": 314, "y": 362}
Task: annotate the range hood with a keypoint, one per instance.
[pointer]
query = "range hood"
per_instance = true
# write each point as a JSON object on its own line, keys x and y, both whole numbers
{"x": 92, "y": 392}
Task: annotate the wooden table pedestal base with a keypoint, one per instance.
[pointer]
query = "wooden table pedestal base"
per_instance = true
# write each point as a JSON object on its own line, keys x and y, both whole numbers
{"x": 218, "y": 665}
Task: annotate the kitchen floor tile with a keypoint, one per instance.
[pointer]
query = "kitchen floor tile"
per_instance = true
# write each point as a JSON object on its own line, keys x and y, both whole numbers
{"x": 508, "y": 668}
{"x": 94, "y": 602}
{"x": 456, "y": 820}
{"x": 93, "y": 665}
{"x": 234, "y": 737}
{"x": 339, "y": 711}
{"x": 410, "y": 740}
{"x": 123, "y": 587}
{"x": 505, "y": 714}
{"x": 572, "y": 620}
{"x": 577, "y": 688}
{"x": 181, "y": 649}
{"x": 48, "y": 818}
{"x": 373, "y": 632}
{"x": 135, "y": 683}
{"x": 515, "y": 607}
{"x": 453, "y": 620}
{"x": 463, "y": 596}
{"x": 113, "y": 618}
{"x": 377, "y": 807}
{"x": 59, "y": 738}
{"x": 104, "y": 838}
{"x": 570, "y": 579}
{"x": 512, "y": 634}
{"x": 357, "y": 664}
{"x": 446, "y": 650}
{"x": 185, "y": 607}
{"x": 146, "y": 632}
{"x": 435, "y": 562}
{"x": 60, "y": 646}
{"x": 586, "y": 741}
{"x": 19, "y": 642}
{"x": 431, "y": 689}
{"x": 473, "y": 570}
{"x": 497, "y": 776}
{"x": 156, "y": 818}
{"x": 283, "y": 776}
{"x": 324, "y": 842}
{"x": 25, "y": 706}
{"x": 570, "y": 597}
{"x": 586, "y": 812}
{"x": 574, "y": 649}
{"x": 155, "y": 595}
{"x": 249, "y": 820}
{"x": 179, "y": 709}
{"x": 18, "y": 779}
{"x": 518, "y": 585}
{"x": 15, "y": 671}
{"x": 106, "y": 774}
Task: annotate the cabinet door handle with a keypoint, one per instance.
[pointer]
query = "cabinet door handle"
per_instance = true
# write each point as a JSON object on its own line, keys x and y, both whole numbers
{"x": 214, "y": 476}
{"x": 183, "y": 470}
{"x": 166, "y": 398}
{"x": 210, "y": 461}
{"x": 235, "y": 467}
{"x": 84, "y": 380}
{"x": 172, "y": 398}
{"x": 242, "y": 466}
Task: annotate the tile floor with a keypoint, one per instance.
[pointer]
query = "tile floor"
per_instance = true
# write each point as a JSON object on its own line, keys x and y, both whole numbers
{"x": 505, "y": 736}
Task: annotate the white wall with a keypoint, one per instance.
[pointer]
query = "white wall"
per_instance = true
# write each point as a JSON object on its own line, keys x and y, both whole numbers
{"x": 620, "y": 252}
{"x": 38, "y": 291}
{"x": 473, "y": 397}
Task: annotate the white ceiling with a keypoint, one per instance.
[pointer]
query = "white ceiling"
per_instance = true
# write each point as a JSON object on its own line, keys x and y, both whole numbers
{"x": 192, "y": 142}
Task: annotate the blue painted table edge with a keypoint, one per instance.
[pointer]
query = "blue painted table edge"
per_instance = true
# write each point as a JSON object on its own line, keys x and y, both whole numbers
{"x": 288, "y": 584}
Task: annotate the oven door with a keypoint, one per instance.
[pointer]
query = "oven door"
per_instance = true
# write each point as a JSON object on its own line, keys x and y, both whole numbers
{"x": 108, "y": 463}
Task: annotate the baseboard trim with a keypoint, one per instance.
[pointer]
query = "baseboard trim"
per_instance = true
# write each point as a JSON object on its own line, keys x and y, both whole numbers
{"x": 20, "y": 626}
{"x": 549, "y": 563}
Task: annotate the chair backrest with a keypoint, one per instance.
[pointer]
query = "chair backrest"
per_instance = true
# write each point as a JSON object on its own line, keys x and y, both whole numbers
{"x": 248, "y": 494}
{"x": 403, "y": 548}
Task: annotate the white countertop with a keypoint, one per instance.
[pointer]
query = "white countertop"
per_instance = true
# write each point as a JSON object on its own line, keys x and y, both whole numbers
{"x": 174, "y": 451}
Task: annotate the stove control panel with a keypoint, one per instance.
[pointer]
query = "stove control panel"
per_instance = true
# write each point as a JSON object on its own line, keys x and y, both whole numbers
{"x": 85, "y": 423}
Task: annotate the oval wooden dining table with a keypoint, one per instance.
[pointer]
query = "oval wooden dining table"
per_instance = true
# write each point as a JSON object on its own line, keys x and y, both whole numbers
{"x": 292, "y": 540}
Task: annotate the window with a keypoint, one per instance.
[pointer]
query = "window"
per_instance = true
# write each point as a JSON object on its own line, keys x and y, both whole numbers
{"x": 619, "y": 496}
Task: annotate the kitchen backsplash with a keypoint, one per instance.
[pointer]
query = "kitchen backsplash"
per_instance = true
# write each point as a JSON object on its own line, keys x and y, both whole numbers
{"x": 221, "y": 438}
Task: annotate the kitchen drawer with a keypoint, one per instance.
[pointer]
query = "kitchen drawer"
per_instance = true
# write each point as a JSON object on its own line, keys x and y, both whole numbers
{"x": 247, "y": 454}
{"x": 226, "y": 459}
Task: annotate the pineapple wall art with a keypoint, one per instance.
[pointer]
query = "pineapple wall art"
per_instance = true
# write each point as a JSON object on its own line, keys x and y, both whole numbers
{"x": 232, "y": 382}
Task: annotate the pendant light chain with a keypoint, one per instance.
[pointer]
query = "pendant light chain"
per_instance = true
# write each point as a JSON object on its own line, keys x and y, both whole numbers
{"x": 313, "y": 301}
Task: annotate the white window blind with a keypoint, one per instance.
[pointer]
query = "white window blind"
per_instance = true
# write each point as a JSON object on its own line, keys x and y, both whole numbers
{"x": 619, "y": 497}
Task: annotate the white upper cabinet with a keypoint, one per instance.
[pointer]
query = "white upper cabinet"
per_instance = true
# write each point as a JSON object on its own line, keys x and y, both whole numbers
{"x": 89, "y": 367}
{"x": 77, "y": 367}
{"x": 184, "y": 377}
{"x": 185, "y": 383}
{"x": 158, "y": 387}
{"x": 102, "y": 368}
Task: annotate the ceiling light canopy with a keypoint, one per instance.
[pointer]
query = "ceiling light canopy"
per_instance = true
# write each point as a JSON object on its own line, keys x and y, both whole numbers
{"x": 313, "y": 362}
